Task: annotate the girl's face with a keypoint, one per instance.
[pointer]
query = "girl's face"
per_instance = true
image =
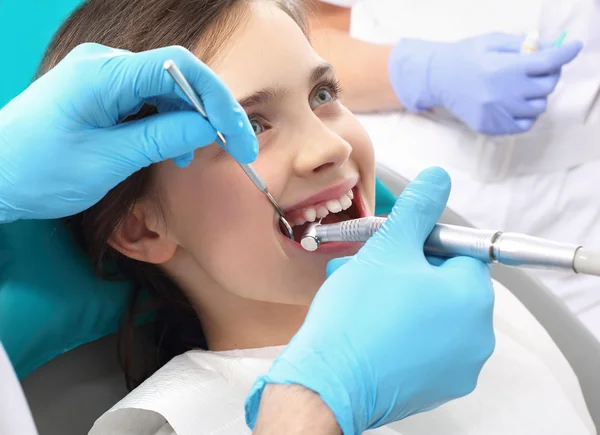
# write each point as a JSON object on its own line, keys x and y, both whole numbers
{"x": 218, "y": 232}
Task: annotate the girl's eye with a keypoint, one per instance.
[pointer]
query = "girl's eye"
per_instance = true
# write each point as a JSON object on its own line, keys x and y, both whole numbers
{"x": 257, "y": 127}
{"x": 323, "y": 95}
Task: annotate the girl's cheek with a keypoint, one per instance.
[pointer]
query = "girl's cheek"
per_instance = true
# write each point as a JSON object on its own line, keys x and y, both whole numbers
{"x": 203, "y": 192}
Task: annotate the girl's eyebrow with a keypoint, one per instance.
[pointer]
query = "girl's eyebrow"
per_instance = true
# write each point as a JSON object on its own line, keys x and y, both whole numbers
{"x": 267, "y": 95}
{"x": 263, "y": 96}
{"x": 319, "y": 71}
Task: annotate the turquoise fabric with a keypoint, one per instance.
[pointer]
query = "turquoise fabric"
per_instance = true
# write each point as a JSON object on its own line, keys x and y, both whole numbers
{"x": 384, "y": 199}
{"x": 26, "y": 28}
{"x": 50, "y": 300}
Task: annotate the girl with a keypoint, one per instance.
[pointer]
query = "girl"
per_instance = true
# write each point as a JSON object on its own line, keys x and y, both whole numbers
{"x": 205, "y": 244}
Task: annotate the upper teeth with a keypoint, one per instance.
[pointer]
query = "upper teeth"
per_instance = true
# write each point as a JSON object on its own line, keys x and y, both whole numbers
{"x": 310, "y": 214}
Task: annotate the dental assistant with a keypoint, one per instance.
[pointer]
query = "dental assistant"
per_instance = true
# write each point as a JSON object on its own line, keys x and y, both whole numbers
{"x": 62, "y": 148}
{"x": 518, "y": 133}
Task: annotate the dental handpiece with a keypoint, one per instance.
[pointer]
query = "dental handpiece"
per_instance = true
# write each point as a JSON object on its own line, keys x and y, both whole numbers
{"x": 489, "y": 246}
{"x": 195, "y": 101}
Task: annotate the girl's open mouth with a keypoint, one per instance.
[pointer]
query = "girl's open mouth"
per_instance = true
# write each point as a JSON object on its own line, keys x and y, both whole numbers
{"x": 349, "y": 206}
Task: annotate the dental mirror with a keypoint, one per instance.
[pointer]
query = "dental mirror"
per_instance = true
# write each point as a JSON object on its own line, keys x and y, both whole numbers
{"x": 285, "y": 227}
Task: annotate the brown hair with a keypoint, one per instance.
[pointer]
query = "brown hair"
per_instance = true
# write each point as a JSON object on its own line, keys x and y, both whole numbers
{"x": 138, "y": 25}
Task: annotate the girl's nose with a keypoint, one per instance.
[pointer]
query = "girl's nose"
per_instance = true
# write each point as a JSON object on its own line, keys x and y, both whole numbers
{"x": 322, "y": 150}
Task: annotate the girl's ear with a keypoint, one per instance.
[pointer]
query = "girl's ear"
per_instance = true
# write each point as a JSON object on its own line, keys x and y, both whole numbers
{"x": 143, "y": 236}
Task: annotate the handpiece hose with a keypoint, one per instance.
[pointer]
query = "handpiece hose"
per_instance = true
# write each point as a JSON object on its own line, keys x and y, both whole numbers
{"x": 489, "y": 246}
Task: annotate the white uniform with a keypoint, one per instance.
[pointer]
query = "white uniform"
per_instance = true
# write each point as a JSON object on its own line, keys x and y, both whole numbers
{"x": 527, "y": 387}
{"x": 540, "y": 183}
{"x": 15, "y": 416}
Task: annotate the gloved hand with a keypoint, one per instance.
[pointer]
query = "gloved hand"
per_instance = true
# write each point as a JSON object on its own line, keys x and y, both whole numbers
{"x": 484, "y": 81}
{"x": 62, "y": 147}
{"x": 388, "y": 334}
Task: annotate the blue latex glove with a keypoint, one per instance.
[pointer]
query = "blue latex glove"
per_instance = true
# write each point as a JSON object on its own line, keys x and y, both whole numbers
{"x": 62, "y": 147}
{"x": 484, "y": 81}
{"x": 389, "y": 334}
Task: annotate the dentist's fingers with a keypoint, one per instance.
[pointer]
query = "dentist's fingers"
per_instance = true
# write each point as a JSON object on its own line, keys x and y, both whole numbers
{"x": 184, "y": 160}
{"x": 524, "y": 125}
{"x": 541, "y": 87}
{"x": 550, "y": 61}
{"x": 466, "y": 266}
{"x": 469, "y": 265}
{"x": 335, "y": 264}
{"x": 530, "y": 108}
{"x": 134, "y": 78}
{"x": 223, "y": 111}
{"x": 414, "y": 216}
{"x": 159, "y": 137}
{"x": 165, "y": 105}
{"x": 435, "y": 261}
{"x": 475, "y": 268}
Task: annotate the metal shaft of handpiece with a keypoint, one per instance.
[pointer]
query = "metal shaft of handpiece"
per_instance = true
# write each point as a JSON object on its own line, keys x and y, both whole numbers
{"x": 447, "y": 241}
{"x": 195, "y": 101}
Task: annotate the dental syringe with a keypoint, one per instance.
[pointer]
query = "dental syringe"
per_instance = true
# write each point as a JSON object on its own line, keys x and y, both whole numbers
{"x": 489, "y": 246}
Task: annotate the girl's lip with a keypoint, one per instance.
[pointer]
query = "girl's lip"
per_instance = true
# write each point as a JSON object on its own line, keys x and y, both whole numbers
{"x": 340, "y": 248}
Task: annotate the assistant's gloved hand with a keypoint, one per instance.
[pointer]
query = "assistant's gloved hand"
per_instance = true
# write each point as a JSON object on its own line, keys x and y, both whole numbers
{"x": 484, "y": 81}
{"x": 62, "y": 146}
{"x": 388, "y": 334}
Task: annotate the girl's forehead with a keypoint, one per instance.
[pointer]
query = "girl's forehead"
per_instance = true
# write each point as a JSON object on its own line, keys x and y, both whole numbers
{"x": 267, "y": 48}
